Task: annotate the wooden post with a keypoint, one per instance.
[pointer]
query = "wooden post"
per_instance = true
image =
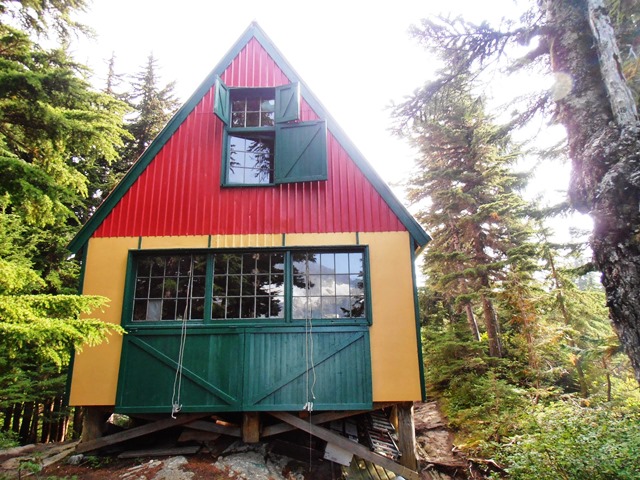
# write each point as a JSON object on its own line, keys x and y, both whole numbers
{"x": 93, "y": 423}
{"x": 407, "y": 435}
{"x": 251, "y": 427}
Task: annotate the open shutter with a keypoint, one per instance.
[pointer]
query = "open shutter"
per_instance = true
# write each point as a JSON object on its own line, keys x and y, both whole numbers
{"x": 301, "y": 152}
{"x": 287, "y": 103}
{"x": 221, "y": 104}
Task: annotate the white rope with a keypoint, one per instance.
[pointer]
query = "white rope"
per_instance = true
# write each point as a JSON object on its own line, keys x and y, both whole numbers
{"x": 176, "y": 406}
{"x": 308, "y": 334}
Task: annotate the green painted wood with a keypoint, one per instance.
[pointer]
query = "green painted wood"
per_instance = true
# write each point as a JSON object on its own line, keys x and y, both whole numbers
{"x": 252, "y": 369}
{"x": 287, "y": 103}
{"x": 301, "y": 152}
{"x": 211, "y": 378}
{"x": 221, "y": 103}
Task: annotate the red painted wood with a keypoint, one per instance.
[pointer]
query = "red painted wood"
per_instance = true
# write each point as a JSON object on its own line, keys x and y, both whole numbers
{"x": 180, "y": 194}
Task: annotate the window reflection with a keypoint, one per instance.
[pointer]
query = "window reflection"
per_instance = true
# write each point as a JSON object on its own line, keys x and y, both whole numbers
{"x": 250, "y": 159}
{"x": 328, "y": 285}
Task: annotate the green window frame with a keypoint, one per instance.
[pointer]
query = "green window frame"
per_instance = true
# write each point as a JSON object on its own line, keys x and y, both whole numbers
{"x": 265, "y": 143}
{"x": 267, "y": 287}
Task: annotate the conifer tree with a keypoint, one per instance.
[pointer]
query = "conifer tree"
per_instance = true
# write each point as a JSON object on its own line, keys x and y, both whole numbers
{"x": 153, "y": 106}
{"x": 470, "y": 199}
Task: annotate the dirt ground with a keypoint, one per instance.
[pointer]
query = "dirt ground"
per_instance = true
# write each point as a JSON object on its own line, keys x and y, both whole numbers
{"x": 228, "y": 459}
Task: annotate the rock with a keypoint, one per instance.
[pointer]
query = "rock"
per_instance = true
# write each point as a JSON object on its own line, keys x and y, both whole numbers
{"x": 75, "y": 459}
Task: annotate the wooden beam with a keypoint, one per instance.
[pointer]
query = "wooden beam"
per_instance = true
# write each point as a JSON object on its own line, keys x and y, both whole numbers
{"x": 407, "y": 435}
{"x": 315, "y": 419}
{"x": 138, "y": 432}
{"x": 215, "y": 428}
{"x": 355, "y": 448}
{"x": 251, "y": 427}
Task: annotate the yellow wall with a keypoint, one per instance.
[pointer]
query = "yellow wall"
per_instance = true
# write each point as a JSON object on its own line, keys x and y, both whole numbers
{"x": 394, "y": 353}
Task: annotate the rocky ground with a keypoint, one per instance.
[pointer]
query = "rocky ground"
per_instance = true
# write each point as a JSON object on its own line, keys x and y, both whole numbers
{"x": 227, "y": 459}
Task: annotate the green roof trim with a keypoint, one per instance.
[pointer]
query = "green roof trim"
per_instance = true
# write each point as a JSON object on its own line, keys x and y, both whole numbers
{"x": 82, "y": 237}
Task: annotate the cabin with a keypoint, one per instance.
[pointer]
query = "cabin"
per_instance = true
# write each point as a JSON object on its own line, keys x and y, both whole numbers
{"x": 256, "y": 260}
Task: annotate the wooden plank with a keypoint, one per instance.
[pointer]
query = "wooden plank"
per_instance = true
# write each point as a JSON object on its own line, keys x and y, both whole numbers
{"x": 215, "y": 428}
{"x": 136, "y": 432}
{"x": 160, "y": 452}
{"x": 323, "y": 417}
{"x": 251, "y": 427}
{"x": 357, "y": 449}
{"x": 189, "y": 435}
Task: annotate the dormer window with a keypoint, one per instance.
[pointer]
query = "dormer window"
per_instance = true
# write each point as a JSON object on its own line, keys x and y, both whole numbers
{"x": 265, "y": 141}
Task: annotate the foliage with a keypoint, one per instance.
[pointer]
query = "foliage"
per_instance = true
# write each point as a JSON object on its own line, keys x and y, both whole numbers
{"x": 565, "y": 439}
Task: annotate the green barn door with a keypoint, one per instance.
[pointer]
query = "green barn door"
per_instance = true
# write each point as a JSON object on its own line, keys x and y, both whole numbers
{"x": 250, "y": 369}
{"x": 211, "y": 374}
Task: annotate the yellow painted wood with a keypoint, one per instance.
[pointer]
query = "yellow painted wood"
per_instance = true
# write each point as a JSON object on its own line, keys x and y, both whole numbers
{"x": 320, "y": 239}
{"x": 394, "y": 353}
{"x": 196, "y": 241}
{"x": 95, "y": 369}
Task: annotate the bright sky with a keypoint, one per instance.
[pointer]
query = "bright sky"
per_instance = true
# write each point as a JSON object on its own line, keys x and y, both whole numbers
{"x": 356, "y": 56}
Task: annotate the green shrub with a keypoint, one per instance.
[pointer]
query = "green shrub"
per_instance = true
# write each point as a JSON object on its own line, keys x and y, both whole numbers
{"x": 566, "y": 440}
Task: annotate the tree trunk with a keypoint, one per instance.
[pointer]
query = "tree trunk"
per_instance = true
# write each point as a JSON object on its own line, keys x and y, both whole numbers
{"x": 8, "y": 415}
{"x": 491, "y": 324}
{"x": 17, "y": 415}
{"x": 471, "y": 320}
{"x": 46, "y": 421}
{"x": 604, "y": 145}
{"x": 25, "y": 426}
{"x": 77, "y": 423}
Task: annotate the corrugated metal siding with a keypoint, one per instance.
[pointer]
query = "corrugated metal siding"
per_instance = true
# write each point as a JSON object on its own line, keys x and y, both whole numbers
{"x": 179, "y": 193}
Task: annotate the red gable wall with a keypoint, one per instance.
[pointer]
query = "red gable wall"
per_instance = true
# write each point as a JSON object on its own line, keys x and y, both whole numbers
{"x": 179, "y": 193}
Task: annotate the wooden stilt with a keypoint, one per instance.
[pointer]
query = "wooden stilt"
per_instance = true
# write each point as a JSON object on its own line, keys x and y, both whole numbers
{"x": 93, "y": 423}
{"x": 251, "y": 427}
{"x": 407, "y": 435}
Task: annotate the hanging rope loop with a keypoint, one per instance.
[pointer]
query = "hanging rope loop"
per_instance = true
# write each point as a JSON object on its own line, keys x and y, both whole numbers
{"x": 176, "y": 406}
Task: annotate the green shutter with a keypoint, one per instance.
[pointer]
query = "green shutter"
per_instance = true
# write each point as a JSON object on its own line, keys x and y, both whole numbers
{"x": 301, "y": 152}
{"x": 287, "y": 103}
{"x": 221, "y": 105}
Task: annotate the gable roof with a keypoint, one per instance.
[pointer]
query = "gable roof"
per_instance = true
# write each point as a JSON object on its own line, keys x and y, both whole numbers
{"x": 419, "y": 236}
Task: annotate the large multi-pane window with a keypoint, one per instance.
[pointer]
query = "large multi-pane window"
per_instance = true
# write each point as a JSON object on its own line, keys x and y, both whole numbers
{"x": 280, "y": 285}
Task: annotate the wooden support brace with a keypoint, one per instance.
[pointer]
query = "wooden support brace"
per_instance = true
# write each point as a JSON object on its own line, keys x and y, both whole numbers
{"x": 316, "y": 419}
{"x": 251, "y": 427}
{"x": 355, "y": 448}
{"x": 138, "y": 432}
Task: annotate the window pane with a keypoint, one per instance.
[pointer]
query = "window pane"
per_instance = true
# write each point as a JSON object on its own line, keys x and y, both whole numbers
{"x": 237, "y": 119}
{"x": 233, "y": 307}
{"x": 155, "y": 290}
{"x": 144, "y": 266}
{"x": 171, "y": 268}
{"x": 253, "y": 104}
{"x": 268, "y": 105}
{"x": 198, "y": 287}
{"x": 267, "y": 119}
{"x": 328, "y": 285}
{"x": 140, "y": 310}
{"x": 234, "y": 285}
{"x": 277, "y": 307}
{"x": 154, "y": 310}
{"x": 200, "y": 265}
{"x": 328, "y": 307}
{"x": 197, "y": 309}
{"x": 344, "y": 306}
{"x": 356, "y": 285}
{"x": 168, "y": 310}
{"x": 355, "y": 263}
{"x": 170, "y": 287}
{"x": 217, "y": 308}
{"x": 315, "y": 284}
{"x": 248, "y": 307}
{"x": 327, "y": 262}
{"x": 142, "y": 287}
{"x": 157, "y": 268}
{"x": 253, "y": 119}
{"x": 342, "y": 263}
{"x": 342, "y": 284}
